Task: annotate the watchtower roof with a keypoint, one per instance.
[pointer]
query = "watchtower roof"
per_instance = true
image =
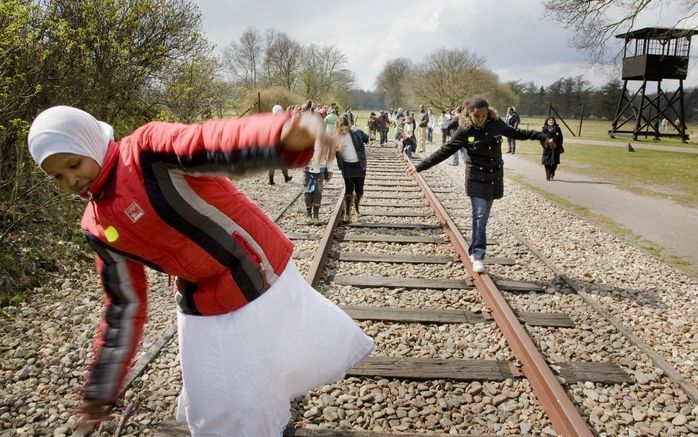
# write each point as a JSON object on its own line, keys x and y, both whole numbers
{"x": 659, "y": 33}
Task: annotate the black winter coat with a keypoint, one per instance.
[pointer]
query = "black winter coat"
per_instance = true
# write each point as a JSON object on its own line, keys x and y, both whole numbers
{"x": 552, "y": 156}
{"x": 484, "y": 170}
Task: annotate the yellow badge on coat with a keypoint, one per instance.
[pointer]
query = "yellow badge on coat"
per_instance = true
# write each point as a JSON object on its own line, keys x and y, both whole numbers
{"x": 471, "y": 139}
{"x": 111, "y": 233}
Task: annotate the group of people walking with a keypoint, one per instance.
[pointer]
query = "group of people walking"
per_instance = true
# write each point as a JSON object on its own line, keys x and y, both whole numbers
{"x": 418, "y": 126}
{"x": 253, "y": 335}
{"x": 348, "y": 152}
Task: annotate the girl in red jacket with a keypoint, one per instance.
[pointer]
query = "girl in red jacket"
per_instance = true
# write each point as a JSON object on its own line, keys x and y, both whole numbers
{"x": 252, "y": 333}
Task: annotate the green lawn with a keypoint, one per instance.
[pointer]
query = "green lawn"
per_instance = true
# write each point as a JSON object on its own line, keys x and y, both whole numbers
{"x": 598, "y": 130}
{"x": 669, "y": 175}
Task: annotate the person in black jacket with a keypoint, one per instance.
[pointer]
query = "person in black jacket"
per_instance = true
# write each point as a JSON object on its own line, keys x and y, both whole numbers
{"x": 512, "y": 120}
{"x": 409, "y": 145}
{"x": 551, "y": 152}
{"x": 480, "y": 132}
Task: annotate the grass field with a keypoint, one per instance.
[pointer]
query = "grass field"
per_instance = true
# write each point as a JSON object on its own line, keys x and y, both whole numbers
{"x": 598, "y": 130}
{"x": 668, "y": 175}
{"x": 663, "y": 174}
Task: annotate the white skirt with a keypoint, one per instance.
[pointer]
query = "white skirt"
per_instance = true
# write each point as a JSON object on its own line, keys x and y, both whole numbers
{"x": 241, "y": 370}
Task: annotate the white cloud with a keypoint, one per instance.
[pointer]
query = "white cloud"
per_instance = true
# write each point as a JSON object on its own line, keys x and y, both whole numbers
{"x": 514, "y": 36}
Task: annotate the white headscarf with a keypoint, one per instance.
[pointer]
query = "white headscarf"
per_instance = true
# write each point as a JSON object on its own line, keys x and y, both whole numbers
{"x": 64, "y": 129}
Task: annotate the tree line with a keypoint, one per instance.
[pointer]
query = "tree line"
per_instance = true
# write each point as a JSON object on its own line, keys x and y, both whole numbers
{"x": 575, "y": 97}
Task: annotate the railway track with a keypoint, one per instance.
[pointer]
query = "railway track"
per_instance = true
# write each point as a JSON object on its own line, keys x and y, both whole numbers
{"x": 384, "y": 187}
{"x": 456, "y": 352}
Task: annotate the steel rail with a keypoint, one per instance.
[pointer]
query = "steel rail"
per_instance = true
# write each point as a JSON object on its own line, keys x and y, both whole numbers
{"x": 553, "y": 398}
{"x": 669, "y": 370}
{"x": 314, "y": 273}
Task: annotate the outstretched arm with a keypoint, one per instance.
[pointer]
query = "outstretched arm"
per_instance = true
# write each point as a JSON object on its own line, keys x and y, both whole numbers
{"x": 458, "y": 141}
{"x": 233, "y": 146}
{"x": 518, "y": 134}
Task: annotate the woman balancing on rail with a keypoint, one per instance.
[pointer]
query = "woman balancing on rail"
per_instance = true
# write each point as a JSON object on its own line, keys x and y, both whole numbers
{"x": 252, "y": 333}
{"x": 480, "y": 133}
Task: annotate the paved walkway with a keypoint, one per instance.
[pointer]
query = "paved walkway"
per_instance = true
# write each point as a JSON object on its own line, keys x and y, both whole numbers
{"x": 638, "y": 146}
{"x": 668, "y": 225}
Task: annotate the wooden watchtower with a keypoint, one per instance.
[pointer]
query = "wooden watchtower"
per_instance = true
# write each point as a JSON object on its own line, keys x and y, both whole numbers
{"x": 653, "y": 54}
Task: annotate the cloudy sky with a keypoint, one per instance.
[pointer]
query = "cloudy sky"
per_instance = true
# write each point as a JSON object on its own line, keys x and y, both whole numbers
{"x": 515, "y": 37}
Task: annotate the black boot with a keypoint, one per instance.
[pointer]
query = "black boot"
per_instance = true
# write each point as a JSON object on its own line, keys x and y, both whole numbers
{"x": 286, "y": 176}
{"x": 271, "y": 179}
{"x": 357, "y": 200}
{"x": 347, "y": 209}
{"x": 316, "y": 214}
{"x": 309, "y": 214}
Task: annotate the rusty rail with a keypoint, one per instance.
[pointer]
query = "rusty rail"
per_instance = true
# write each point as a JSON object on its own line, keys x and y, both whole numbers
{"x": 552, "y": 396}
{"x": 315, "y": 270}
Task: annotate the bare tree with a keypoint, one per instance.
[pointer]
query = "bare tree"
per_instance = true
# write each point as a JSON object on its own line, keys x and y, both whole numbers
{"x": 447, "y": 77}
{"x": 282, "y": 60}
{"x": 243, "y": 58}
{"x": 390, "y": 81}
{"x": 323, "y": 70}
{"x": 596, "y": 21}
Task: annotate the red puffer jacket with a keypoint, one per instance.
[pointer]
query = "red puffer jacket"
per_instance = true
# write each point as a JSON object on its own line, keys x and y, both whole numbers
{"x": 158, "y": 203}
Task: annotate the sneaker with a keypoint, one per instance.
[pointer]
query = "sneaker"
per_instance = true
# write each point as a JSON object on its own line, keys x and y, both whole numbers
{"x": 478, "y": 266}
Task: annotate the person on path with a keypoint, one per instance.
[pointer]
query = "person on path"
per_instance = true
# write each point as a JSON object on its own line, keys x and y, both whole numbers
{"x": 331, "y": 122}
{"x": 444, "y": 122}
{"x": 350, "y": 116}
{"x": 512, "y": 120}
{"x": 383, "y": 127}
{"x": 351, "y": 160}
{"x": 372, "y": 126}
{"x": 551, "y": 152}
{"x": 316, "y": 173}
{"x": 480, "y": 132}
{"x": 409, "y": 145}
{"x": 430, "y": 126}
{"x": 452, "y": 127}
{"x": 278, "y": 109}
{"x": 409, "y": 125}
{"x": 399, "y": 125}
{"x": 253, "y": 334}
{"x": 422, "y": 131}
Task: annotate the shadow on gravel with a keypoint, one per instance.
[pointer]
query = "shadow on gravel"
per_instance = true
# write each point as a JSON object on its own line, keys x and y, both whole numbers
{"x": 645, "y": 298}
